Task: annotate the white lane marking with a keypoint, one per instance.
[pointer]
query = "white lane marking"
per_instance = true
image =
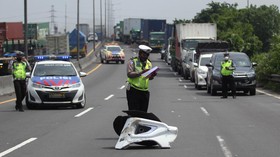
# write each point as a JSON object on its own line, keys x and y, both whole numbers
{"x": 277, "y": 97}
{"x": 180, "y": 80}
{"x": 205, "y": 111}
{"x": 185, "y": 86}
{"x": 17, "y": 146}
{"x": 224, "y": 147}
{"x": 84, "y": 112}
{"x": 175, "y": 74}
{"x": 122, "y": 87}
{"x": 109, "y": 97}
{"x": 171, "y": 69}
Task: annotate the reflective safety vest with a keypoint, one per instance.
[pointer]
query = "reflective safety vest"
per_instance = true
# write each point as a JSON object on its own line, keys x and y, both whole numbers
{"x": 226, "y": 64}
{"x": 140, "y": 83}
{"x": 19, "y": 70}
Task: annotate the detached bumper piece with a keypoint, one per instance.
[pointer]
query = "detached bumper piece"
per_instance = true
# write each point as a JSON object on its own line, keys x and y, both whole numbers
{"x": 140, "y": 131}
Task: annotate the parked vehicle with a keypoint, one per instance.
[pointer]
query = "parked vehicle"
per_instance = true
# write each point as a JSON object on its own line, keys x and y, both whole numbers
{"x": 201, "y": 70}
{"x": 244, "y": 74}
{"x": 54, "y": 81}
{"x": 187, "y": 36}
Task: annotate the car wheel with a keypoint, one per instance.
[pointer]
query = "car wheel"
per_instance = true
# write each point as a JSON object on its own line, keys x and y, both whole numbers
{"x": 107, "y": 62}
{"x": 122, "y": 62}
{"x": 213, "y": 91}
{"x": 253, "y": 91}
{"x": 82, "y": 104}
{"x": 29, "y": 105}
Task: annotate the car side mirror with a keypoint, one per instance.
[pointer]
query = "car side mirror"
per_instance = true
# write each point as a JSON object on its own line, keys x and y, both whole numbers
{"x": 28, "y": 74}
{"x": 195, "y": 64}
{"x": 83, "y": 74}
{"x": 254, "y": 64}
{"x": 209, "y": 65}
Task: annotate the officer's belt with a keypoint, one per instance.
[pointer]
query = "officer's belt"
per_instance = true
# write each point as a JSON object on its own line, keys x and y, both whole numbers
{"x": 142, "y": 89}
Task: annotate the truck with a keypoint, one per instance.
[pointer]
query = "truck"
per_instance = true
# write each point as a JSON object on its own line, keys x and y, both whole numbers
{"x": 129, "y": 25}
{"x": 84, "y": 28}
{"x": 57, "y": 44}
{"x": 153, "y": 31}
{"x": 10, "y": 31}
{"x": 73, "y": 44}
{"x": 187, "y": 36}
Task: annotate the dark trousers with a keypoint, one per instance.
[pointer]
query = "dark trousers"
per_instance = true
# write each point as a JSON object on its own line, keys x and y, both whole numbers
{"x": 228, "y": 81}
{"x": 20, "y": 90}
{"x": 137, "y": 100}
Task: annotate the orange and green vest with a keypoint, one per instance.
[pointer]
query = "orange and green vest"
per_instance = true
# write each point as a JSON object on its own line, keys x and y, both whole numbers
{"x": 140, "y": 83}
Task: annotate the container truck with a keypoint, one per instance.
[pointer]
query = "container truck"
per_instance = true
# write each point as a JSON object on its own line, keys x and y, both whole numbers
{"x": 187, "y": 36}
{"x": 57, "y": 44}
{"x": 84, "y": 28}
{"x": 130, "y": 24}
{"x": 153, "y": 31}
{"x": 10, "y": 31}
{"x": 74, "y": 44}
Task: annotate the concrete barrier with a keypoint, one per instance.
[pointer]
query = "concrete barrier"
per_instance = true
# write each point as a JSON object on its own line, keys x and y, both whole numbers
{"x": 6, "y": 85}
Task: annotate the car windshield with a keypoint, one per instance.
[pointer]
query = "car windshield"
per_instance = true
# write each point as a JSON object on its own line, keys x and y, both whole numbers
{"x": 114, "y": 48}
{"x": 239, "y": 60}
{"x": 204, "y": 61}
{"x": 54, "y": 70}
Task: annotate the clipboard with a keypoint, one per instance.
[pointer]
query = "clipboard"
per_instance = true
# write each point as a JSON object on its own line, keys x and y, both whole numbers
{"x": 147, "y": 73}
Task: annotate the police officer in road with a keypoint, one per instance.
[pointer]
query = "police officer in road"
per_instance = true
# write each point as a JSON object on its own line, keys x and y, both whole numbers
{"x": 137, "y": 91}
{"x": 227, "y": 68}
{"x": 18, "y": 67}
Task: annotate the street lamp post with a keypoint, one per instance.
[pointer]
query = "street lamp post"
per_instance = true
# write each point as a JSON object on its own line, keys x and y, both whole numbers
{"x": 78, "y": 33}
{"x": 25, "y": 29}
{"x": 93, "y": 25}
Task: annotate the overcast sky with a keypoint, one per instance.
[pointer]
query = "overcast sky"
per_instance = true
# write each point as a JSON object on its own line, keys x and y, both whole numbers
{"x": 40, "y": 10}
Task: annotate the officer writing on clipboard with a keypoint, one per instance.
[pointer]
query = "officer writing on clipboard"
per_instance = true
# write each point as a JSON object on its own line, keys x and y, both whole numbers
{"x": 137, "y": 86}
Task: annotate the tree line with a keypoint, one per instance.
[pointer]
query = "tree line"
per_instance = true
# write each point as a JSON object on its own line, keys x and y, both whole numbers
{"x": 253, "y": 30}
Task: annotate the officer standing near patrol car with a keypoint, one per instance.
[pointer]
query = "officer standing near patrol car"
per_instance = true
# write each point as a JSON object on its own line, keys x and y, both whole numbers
{"x": 18, "y": 67}
{"x": 137, "y": 86}
{"x": 227, "y": 68}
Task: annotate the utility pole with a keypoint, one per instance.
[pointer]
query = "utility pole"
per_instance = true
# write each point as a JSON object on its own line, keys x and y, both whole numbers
{"x": 101, "y": 21}
{"x": 25, "y": 29}
{"x": 105, "y": 24}
{"x": 93, "y": 25}
{"x": 78, "y": 33}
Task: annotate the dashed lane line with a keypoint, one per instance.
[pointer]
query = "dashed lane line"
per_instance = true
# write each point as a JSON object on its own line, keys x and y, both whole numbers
{"x": 84, "y": 112}
{"x": 17, "y": 146}
{"x": 109, "y": 97}
{"x": 204, "y": 111}
{"x": 224, "y": 147}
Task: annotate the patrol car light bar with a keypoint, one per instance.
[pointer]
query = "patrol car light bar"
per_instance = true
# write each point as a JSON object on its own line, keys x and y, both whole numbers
{"x": 52, "y": 57}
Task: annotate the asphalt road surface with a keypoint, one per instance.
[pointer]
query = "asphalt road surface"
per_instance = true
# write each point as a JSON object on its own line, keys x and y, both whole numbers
{"x": 208, "y": 126}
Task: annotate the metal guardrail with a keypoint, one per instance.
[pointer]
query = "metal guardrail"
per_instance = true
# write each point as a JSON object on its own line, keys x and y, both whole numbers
{"x": 274, "y": 78}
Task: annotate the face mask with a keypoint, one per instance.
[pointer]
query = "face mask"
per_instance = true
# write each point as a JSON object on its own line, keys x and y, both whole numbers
{"x": 226, "y": 58}
{"x": 18, "y": 59}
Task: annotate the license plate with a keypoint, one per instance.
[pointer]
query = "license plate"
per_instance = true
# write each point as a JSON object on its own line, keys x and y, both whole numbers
{"x": 56, "y": 95}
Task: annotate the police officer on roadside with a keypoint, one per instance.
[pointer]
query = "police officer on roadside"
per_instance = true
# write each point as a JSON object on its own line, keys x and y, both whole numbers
{"x": 227, "y": 69}
{"x": 137, "y": 91}
{"x": 18, "y": 67}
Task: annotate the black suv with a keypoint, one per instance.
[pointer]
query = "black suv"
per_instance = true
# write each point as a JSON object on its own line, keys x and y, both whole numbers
{"x": 244, "y": 74}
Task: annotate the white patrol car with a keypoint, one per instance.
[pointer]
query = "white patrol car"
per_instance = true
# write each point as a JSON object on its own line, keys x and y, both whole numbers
{"x": 54, "y": 81}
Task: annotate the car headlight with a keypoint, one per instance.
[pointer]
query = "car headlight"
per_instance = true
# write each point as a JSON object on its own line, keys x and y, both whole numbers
{"x": 37, "y": 85}
{"x": 251, "y": 74}
{"x": 76, "y": 85}
{"x": 201, "y": 72}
